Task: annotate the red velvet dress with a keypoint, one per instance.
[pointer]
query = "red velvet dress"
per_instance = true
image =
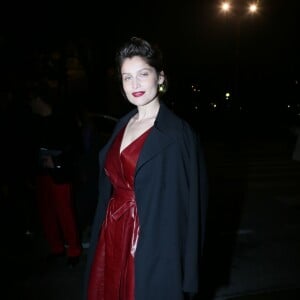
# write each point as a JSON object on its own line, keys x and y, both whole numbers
{"x": 112, "y": 272}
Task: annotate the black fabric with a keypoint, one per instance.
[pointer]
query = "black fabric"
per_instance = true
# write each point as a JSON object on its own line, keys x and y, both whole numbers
{"x": 60, "y": 133}
{"x": 171, "y": 196}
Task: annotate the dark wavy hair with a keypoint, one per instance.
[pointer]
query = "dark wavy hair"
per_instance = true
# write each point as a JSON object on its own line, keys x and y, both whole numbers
{"x": 150, "y": 53}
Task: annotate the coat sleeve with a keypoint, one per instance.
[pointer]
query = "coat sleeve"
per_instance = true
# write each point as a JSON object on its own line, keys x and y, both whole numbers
{"x": 196, "y": 207}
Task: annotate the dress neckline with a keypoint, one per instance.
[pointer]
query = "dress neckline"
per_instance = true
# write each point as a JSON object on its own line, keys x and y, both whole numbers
{"x": 135, "y": 140}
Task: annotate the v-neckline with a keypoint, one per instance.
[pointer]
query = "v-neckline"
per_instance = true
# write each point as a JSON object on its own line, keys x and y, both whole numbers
{"x": 135, "y": 140}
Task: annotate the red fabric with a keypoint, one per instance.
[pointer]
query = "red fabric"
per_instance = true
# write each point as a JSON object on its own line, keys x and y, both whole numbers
{"x": 58, "y": 216}
{"x": 112, "y": 272}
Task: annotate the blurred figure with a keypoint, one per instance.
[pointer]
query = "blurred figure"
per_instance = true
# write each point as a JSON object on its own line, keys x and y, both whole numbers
{"x": 95, "y": 132}
{"x": 56, "y": 136}
{"x": 16, "y": 190}
{"x": 296, "y": 150}
{"x": 87, "y": 187}
{"x": 148, "y": 231}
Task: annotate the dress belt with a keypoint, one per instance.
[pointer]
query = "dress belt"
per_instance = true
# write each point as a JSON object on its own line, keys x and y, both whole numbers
{"x": 127, "y": 204}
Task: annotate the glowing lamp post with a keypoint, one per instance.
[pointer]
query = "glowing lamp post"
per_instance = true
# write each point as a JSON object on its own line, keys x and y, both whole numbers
{"x": 237, "y": 12}
{"x": 227, "y": 7}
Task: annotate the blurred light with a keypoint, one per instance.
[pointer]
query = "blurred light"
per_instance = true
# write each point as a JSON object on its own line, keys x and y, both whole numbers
{"x": 227, "y": 95}
{"x": 225, "y": 6}
{"x": 195, "y": 89}
{"x": 252, "y": 8}
{"x": 212, "y": 106}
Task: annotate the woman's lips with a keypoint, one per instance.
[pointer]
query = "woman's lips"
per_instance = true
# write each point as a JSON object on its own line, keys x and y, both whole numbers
{"x": 138, "y": 94}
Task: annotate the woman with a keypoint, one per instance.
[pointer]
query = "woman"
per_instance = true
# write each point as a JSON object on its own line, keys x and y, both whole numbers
{"x": 148, "y": 229}
{"x": 56, "y": 142}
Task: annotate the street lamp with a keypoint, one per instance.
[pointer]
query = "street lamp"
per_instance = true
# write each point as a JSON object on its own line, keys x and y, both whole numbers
{"x": 252, "y": 8}
{"x": 238, "y": 11}
{"x": 227, "y": 6}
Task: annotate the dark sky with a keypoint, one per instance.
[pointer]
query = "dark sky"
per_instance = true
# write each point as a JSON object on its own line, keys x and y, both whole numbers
{"x": 193, "y": 28}
{"x": 193, "y": 34}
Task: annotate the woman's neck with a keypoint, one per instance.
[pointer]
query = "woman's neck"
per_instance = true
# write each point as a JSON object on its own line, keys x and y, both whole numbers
{"x": 148, "y": 111}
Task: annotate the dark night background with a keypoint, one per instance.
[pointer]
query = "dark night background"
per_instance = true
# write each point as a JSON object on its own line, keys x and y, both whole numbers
{"x": 250, "y": 137}
{"x": 256, "y": 58}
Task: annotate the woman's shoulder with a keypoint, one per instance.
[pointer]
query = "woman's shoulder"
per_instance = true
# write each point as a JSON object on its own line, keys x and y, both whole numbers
{"x": 172, "y": 120}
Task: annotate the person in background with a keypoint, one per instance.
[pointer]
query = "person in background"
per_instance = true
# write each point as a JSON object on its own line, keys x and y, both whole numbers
{"x": 56, "y": 148}
{"x": 148, "y": 230}
{"x": 16, "y": 192}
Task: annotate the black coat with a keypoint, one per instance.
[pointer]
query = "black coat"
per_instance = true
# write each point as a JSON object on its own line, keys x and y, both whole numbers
{"x": 60, "y": 135}
{"x": 170, "y": 187}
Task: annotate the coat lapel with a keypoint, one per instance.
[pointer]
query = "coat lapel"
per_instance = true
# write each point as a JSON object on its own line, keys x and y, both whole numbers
{"x": 159, "y": 137}
{"x": 154, "y": 144}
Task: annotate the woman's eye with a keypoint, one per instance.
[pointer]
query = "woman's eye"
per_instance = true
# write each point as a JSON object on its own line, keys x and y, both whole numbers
{"x": 126, "y": 78}
{"x": 144, "y": 74}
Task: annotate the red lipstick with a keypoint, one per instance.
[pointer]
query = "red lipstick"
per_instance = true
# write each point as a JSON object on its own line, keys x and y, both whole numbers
{"x": 138, "y": 94}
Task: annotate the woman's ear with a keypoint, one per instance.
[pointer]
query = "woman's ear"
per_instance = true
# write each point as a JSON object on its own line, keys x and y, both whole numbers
{"x": 161, "y": 77}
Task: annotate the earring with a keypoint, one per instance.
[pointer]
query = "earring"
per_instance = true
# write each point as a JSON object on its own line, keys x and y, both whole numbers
{"x": 161, "y": 88}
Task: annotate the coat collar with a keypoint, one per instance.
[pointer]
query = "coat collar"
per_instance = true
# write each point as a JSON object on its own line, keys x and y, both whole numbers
{"x": 159, "y": 137}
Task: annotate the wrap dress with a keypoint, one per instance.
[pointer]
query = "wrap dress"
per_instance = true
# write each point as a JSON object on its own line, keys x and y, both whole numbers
{"x": 112, "y": 271}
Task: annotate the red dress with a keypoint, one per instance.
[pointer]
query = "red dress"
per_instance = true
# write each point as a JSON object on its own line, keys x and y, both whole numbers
{"x": 112, "y": 272}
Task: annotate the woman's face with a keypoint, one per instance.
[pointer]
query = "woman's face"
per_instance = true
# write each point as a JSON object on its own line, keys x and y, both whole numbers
{"x": 140, "y": 81}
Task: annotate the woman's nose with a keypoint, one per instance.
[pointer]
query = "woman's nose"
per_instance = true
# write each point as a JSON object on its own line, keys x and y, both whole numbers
{"x": 135, "y": 83}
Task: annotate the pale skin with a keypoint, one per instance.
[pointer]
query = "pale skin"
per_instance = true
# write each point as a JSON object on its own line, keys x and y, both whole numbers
{"x": 140, "y": 83}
